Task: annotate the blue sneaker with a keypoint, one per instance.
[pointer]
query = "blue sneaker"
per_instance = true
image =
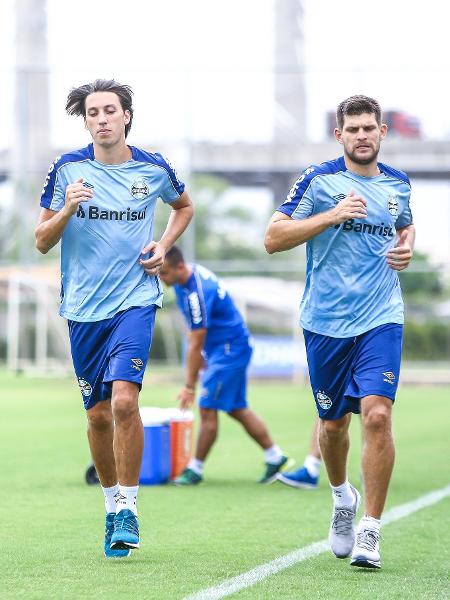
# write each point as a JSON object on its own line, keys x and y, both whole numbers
{"x": 126, "y": 531}
{"x": 299, "y": 479}
{"x": 109, "y": 530}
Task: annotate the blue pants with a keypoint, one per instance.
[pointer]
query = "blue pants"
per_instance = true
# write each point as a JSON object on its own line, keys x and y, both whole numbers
{"x": 224, "y": 382}
{"x": 110, "y": 350}
{"x": 344, "y": 370}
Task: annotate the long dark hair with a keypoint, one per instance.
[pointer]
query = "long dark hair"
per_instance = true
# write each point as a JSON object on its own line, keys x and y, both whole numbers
{"x": 76, "y": 100}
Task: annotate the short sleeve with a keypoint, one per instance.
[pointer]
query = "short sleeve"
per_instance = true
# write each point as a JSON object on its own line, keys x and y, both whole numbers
{"x": 405, "y": 217}
{"x": 53, "y": 193}
{"x": 299, "y": 203}
{"x": 200, "y": 301}
{"x": 172, "y": 187}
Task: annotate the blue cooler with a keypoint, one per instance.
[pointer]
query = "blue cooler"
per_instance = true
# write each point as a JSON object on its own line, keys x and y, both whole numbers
{"x": 155, "y": 468}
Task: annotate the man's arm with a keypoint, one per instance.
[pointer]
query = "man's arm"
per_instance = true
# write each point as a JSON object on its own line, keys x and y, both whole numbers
{"x": 400, "y": 256}
{"x": 194, "y": 362}
{"x": 51, "y": 224}
{"x": 179, "y": 219}
{"x": 284, "y": 233}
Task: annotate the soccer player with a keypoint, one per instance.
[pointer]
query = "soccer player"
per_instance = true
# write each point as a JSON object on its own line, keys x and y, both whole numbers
{"x": 99, "y": 201}
{"x": 353, "y": 213}
{"x": 307, "y": 476}
{"x": 218, "y": 342}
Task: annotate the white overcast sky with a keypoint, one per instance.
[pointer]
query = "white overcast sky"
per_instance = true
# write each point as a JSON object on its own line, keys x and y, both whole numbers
{"x": 204, "y": 68}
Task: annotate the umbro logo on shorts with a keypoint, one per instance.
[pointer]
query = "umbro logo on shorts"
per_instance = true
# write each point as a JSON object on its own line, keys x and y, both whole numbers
{"x": 137, "y": 364}
{"x": 389, "y": 377}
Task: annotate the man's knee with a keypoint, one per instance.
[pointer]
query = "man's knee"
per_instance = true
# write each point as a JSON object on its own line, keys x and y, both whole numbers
{"x": 209, "y": 419}
{"x": 336, "y": 427}
{"x": 239, "y": 413}
{"x": 124, "y": 404}
{"x": 100, "y": 416}
{"x": 377, "y": 418}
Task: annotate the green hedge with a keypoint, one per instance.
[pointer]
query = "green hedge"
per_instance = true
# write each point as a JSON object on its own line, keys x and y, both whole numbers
{"x": 429, "y": 340}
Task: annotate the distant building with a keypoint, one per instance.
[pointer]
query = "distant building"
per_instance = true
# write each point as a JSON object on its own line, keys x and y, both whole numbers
{"x": 400, "y": 124}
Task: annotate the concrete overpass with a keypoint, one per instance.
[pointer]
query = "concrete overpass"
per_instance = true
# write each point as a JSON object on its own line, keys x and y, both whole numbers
{"x": 256, "y": 164}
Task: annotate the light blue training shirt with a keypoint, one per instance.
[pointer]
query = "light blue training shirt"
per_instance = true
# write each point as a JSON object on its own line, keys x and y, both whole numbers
{"x": 102, "y": 242}
{"x": 349, "y": 287}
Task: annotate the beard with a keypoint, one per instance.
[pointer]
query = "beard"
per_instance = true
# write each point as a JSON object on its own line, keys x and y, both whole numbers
{"x": 366, "y": 160}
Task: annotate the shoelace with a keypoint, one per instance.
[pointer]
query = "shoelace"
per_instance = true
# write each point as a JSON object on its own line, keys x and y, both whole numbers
{"x": 342, "y": 521}
{"x": 368, "y": 539}
{"x": 127, "y": 523}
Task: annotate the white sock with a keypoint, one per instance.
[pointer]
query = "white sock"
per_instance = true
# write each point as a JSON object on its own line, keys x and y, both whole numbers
{"x": 127, "y": 498}
{"x": 111, "y": 496}
{"x": 343, "y": 495}
{"x": 369, "y": 523}
{"x": 196, "y": 465}
{"x": 312, "y": 465}
{"x": 273, "y": 455}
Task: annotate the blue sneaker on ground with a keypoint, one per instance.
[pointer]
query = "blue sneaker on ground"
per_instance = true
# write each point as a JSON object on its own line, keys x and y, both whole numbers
{"x": 126, "y": 531}
{"x": 299, "y": 479}
{"x": 109, "y": 530}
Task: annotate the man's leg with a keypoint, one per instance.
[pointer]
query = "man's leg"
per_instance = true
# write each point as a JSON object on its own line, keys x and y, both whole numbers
{"x": 313, "y": 459}
{"x": 254, "y": 426}
{"x": 334, "y": 444}
{"x": 209, "y": 425}
{"x": 377, "y": 464}
{"x": 257, "y": 430}
{"x": 314, "y": 447}
{"x": 128, "y": 447}
{"x": 128, "y": 432}
{"x": 378, "y": 452}
{"x": 307, "y": 476}
{"x": 100, "y": 434}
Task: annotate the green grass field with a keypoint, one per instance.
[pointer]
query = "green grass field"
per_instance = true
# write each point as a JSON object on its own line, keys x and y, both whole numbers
{"x": 192, "y": 539}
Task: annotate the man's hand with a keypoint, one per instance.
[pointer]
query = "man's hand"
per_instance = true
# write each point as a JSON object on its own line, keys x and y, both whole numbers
{"x": 76, "y": 193}
{"x": 353, "y": 206}
{"x": 152, "y": 265}
{"x": 400, "y": 256}
{"x": 186, "y": 398}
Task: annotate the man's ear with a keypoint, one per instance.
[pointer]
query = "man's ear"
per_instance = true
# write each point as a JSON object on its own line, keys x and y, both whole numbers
{"x": 338, "y": 135}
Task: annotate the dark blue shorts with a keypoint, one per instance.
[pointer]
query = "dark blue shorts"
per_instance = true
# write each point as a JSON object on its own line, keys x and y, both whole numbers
{"x": 224, "y": 382}
{"x": 110, "y": 350}
{"x": 344, "y": 370}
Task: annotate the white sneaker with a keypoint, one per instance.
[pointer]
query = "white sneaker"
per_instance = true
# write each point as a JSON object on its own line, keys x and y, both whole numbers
{"x": 366, "y": 552}
{"x": 342, "y": 531}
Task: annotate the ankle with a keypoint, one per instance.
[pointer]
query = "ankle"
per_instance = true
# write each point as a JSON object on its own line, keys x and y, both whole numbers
{"x": 343, "y": 495}
{"x": 127, "y": 498}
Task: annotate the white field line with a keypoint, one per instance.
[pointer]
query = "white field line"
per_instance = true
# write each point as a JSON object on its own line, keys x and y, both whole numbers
{"x": 240, "y": 582}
